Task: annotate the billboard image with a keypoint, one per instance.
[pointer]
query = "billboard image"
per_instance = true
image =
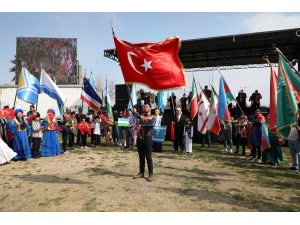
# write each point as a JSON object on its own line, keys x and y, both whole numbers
{"x": 58, "y": 57}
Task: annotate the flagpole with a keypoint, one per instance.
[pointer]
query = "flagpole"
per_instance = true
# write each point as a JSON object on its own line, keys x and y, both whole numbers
{"x": 22, "y": 64}
{"x": 277, "y": 50}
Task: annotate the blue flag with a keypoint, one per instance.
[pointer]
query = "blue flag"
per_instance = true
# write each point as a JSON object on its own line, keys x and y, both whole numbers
{"x": 28, "y": 87}
{"x": 162, "y": 99}
{"x": 159, "y": 133}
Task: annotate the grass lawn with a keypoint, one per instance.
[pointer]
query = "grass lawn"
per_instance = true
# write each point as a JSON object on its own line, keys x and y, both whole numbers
{"x": 101, "y": 180}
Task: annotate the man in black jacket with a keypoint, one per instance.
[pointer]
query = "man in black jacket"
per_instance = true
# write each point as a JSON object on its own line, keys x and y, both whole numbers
{"x": 144, "y": 141}
{"x": 179, "y": 121}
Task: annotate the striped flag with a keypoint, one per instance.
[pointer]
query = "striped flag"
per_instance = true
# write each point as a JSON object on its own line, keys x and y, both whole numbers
{"x": 28, "y": 87}
{"x": 108, "y": 102}
{"x": 224, "y": 91}
{"x": 50, "y": 88}
{"x": 194, "y": 101}
{"x": 89, "y": 96}
{"x": 213, "y": 123}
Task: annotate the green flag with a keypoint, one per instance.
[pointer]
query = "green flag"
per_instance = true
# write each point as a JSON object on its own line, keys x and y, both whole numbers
{"x": 108, "y": 102}
{"x": 286, "y": 106}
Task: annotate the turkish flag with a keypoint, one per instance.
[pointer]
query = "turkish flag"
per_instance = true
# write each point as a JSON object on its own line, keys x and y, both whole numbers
{"x": 156, "y": 65}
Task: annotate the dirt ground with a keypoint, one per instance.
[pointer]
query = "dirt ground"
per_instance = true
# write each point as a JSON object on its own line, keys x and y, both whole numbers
{"x": 101, "y": 180}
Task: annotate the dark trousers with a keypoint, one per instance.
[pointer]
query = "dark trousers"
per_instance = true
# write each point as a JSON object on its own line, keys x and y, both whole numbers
{"x": 65, "y": 138}
{"x": 258, "y": 149}
{"x": 78, "y": 139}
{"x": 83, "y": 140}
{"x": 97, "y": 138}
{"x": 144, "y": 146}
{"x": 157, "y": 147}
{"x": 240, "y": 141}
{"x": 36, "y": 143}
{"x": 93, "y": 136}
{"x": 71, "y": 140}
{"x": 178, "y": 142}
{"x": 115, "y": 134}
{"x": 129, "y": 137}
{"x": 206, "y": 138}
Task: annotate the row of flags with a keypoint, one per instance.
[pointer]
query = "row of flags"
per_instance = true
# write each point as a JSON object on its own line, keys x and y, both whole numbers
{"x": 29, "y": 87}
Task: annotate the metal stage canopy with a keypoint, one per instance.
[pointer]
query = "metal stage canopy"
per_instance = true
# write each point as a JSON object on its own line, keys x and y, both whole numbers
{"x": 238, "y": 51}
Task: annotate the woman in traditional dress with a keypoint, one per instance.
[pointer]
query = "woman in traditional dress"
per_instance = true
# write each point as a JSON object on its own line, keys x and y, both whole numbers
{"x": 51, "y": 145}
{"x": 6, "y": 153}
{"x": 274, "y": 155}
{"x": 20, "y": 141}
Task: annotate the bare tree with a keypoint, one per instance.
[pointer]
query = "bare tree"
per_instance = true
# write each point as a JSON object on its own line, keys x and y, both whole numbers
{"x": 100, "y": 84}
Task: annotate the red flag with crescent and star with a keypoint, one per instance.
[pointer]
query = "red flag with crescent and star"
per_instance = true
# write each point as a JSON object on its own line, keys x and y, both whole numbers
{"x": 157, "y": 65}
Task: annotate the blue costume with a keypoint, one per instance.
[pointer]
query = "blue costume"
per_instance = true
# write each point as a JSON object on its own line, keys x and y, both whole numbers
{"x": 51, "y": 145}
{"x": 20, "y": 141}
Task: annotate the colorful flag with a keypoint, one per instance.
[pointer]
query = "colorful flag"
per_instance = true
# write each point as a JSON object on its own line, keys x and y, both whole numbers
{"x": 108, "y": 102}
{"x": 162, "y": 99}
{"x": 157, "y": 65}
{"x": 89, "y": 96}
{"x": 28, "y": 87}
{"x": 50, "y": 88}
{"x": 133, "y": 97}
{"x": 293, "y": 79}
{"x": 213, "y": 123}
{"x": 203, "y": 112}
{"x": 229, "y": 95}
{"x": 265, "y": 137}
{"x": 194, "y": 101}
{"x": 273, "y": 98}
{"x": 123, "y": 122}
{"x": 286, "y": 106}
{"x": 159, "y": 133}
{"x": 223, "y": 112}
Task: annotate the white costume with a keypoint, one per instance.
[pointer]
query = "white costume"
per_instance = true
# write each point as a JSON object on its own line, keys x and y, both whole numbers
{"x": 188, "y": 134}
{"x": 6, "y": 153}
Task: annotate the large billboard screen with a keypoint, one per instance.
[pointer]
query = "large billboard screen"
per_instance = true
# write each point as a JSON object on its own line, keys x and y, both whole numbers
{"x": 57, "y": 56}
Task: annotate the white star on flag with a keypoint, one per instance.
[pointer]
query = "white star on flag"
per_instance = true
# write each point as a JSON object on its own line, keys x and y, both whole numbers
{"x": 147, "y": 65}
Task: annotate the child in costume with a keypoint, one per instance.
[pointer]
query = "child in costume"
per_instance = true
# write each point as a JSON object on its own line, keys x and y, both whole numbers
{"x": 51, "y": 145}
{"x": 188, "y": 134}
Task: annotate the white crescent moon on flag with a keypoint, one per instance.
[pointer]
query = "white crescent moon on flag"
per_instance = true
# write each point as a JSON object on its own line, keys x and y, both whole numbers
{"x": 129, "y": 54}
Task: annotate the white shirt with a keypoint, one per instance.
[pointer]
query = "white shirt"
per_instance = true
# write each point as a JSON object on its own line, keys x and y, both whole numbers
{"x": 158, "y": 120}
{"x": 178, "y": 117}
{"x": 294, "y": 135}
{"x": 97, "y": 128}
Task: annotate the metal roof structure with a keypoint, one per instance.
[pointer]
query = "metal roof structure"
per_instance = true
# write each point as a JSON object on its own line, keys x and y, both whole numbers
{"x": 238, "y": 51}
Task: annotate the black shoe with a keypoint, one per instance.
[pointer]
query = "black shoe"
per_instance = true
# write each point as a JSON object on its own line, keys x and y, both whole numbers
{"x": 150, "y": 178}
{"x": 292, "y": 168}
{"x": 140, "y": 175}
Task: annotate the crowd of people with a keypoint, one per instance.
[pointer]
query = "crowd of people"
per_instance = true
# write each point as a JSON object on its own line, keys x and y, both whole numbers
{"x": 23, "y": 136}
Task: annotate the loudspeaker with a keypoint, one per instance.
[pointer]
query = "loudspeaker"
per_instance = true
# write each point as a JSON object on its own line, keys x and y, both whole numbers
{"x": 121, "y": 95}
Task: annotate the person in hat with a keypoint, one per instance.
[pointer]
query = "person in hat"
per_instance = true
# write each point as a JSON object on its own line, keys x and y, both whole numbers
{"x": 20, "y": 141}
{"x": 37, "y": 133}
{"x": 51, "y": 145}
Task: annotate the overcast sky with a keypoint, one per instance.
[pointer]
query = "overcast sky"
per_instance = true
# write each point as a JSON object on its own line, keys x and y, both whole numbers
{"x": 93, "y": 34}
